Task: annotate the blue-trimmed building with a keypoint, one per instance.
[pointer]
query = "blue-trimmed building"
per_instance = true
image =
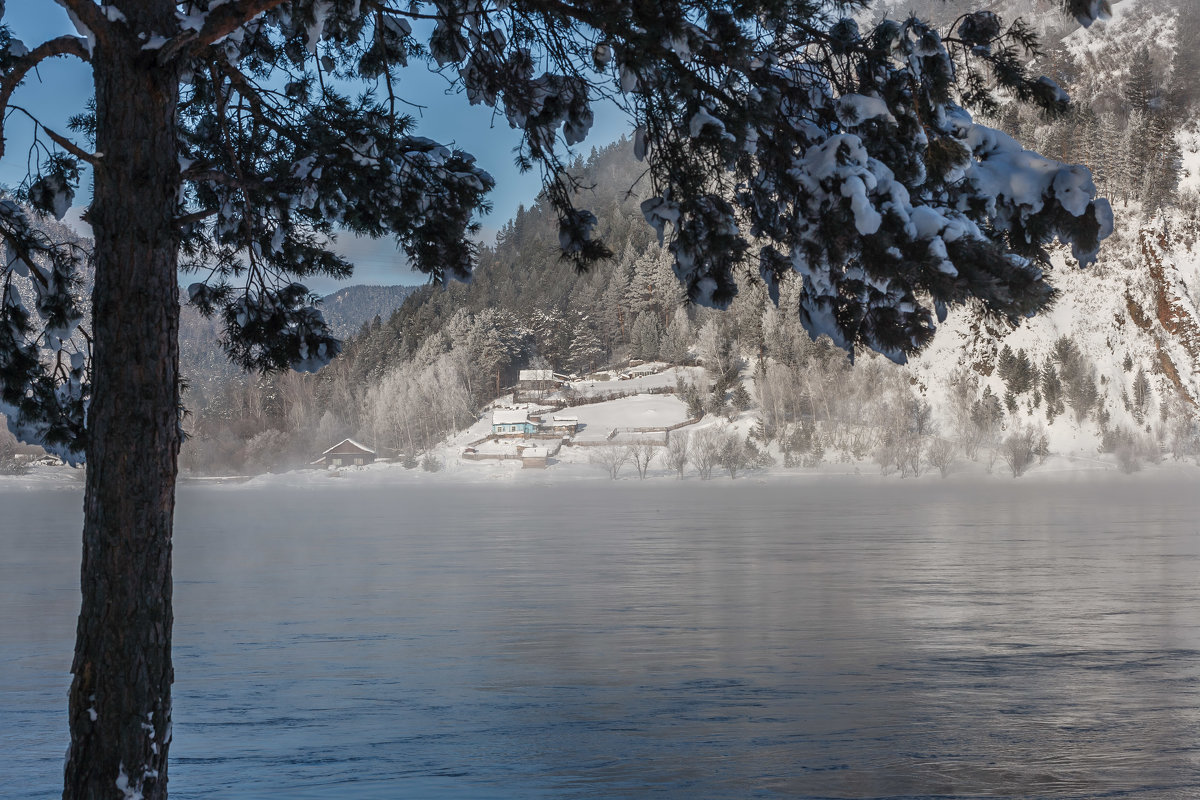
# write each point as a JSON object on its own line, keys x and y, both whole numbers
{"x": 513, "y": 422}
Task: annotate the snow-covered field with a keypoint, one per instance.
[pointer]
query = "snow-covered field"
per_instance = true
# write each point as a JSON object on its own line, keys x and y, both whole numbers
{"x": 640, "y": 411}
{"x": 643, "y": 378}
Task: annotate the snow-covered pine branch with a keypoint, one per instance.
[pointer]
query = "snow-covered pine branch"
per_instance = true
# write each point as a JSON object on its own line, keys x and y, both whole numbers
{"x": 43, "y": 352}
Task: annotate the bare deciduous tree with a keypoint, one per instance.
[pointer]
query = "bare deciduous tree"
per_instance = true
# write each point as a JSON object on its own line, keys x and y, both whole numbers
{"x": 677, "y": 454}
{"x": 706, "y": 450}
{"x": 1020, "y": 448}
{"x": 642, "y": 453}
{"x": 734, "y": 454}
{"x": 610, "y": 457}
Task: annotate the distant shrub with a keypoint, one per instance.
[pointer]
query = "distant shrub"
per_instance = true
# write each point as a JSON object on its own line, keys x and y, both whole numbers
{"x": 431, "y": 463}
{"x": 759, "y": 459}
{"x": 815, "y": 454}
{"x": 266, "y": 451}
{"x": 1129, "y": 459}
{"x": 1022, "y": 447}
{"x": 940, "y": 454}
{"x": 9, "y": 463}
{"x": 1131, "y": 449}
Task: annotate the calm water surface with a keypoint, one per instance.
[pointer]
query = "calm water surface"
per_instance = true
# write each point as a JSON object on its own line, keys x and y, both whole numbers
{"x": 837, "y": 639}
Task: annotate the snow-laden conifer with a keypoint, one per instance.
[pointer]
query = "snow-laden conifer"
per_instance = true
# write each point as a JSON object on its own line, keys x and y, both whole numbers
{"x": 233, "y": 138}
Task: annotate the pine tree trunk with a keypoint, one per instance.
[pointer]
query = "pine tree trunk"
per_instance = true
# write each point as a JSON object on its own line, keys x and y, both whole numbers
{"x": 120, "y": 700}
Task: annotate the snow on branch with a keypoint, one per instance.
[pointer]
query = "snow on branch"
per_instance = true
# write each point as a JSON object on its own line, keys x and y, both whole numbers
{"x": 205, "y": 28}
{"x": 22, "y": 65}
{"x": 89, "y": 19}
{"x": 1088, "y": 11}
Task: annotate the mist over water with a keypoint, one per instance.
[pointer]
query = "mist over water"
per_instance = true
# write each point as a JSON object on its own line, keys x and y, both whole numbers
{"x": 834, "y": 638}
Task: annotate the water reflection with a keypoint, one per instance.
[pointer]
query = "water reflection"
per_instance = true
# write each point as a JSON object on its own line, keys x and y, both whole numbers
{"x": 832, "y": 639}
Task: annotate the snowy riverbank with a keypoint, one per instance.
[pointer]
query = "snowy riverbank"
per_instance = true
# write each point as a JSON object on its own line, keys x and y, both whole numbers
{"x": 1054, "y": 468}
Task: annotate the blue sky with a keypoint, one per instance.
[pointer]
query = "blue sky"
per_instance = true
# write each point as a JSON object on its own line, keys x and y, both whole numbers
{"x": 65, "y": 86}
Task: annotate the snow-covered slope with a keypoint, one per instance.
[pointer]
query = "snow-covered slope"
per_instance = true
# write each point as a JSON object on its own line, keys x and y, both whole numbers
{"x": 1134, "y": 310}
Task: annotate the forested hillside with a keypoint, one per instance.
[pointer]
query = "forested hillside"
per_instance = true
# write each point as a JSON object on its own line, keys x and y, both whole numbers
{"x": 523, "y": 307}
{"x": 347, "y": 310}
{"x": 1113, "y": 367}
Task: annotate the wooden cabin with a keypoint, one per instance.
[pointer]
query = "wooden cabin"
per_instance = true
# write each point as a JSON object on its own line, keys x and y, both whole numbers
{"x": 346, "y": 453}
{"x": 536, "y": 380}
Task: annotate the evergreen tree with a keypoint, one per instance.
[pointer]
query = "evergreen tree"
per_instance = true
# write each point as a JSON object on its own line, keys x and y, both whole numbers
{"x": 1141, "y": 395}
{"x": 646, "y": 336}
{"x": 1004, "y": 364}
{"x": 653, "y": 287}
{"x": 1139, "y": 85}
{"x": 1161, "y": 163}
{"x": 677, "y": 340}
{"x": 987, "y": 415}
{"x": 586, "y": 349}
{"x": 617, "y": 316}
{"x": 551, "y": 336}
{"x": 1078, "y": 377}
{"x": 747, "y": 311}
{"x": 1052, "y": 391}
{"x": 1023, "y": 374}
{"x": 1107, "y": 157}
{"x": 1129, "y": 170}
{"x": 740, "y": 397}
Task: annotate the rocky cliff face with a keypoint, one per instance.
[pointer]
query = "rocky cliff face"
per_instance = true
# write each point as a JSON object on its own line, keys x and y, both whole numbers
{"x": 1133, "y": 312}
{"x": 1166, "y": 310}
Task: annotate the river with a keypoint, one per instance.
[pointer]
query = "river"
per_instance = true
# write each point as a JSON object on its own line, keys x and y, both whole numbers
{"x": 832, "y": 638}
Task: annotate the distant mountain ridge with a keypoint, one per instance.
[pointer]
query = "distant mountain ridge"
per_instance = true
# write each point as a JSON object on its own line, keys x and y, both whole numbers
{"x": 202, "y": 360}
{"x": 348, "y": 309}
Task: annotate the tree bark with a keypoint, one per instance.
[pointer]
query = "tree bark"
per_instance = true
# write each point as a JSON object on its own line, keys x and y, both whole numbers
{"x": 120, "y": 699}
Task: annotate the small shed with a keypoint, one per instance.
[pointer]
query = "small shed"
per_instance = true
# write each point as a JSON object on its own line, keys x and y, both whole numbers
{"x": 512, "y": 422}
{"x": 534, "y": 457}
{"x": 346, "y": 453}
{"x": 566, "y": 425}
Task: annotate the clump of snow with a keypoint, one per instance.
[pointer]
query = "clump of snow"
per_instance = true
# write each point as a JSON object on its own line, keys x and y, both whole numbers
{"x": 660, "y": 212}
{"x": 130, "y": 790}
{"x": 855, "y": 109}
{"x": 321, "y": 10}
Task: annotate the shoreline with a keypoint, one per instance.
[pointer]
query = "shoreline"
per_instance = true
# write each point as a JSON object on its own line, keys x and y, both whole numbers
{"x": 1058, "y": 469}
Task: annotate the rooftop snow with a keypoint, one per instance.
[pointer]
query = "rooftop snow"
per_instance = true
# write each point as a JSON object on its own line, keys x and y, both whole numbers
{"x": 362, "y": 447}
{"x": 510, "y": 416}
